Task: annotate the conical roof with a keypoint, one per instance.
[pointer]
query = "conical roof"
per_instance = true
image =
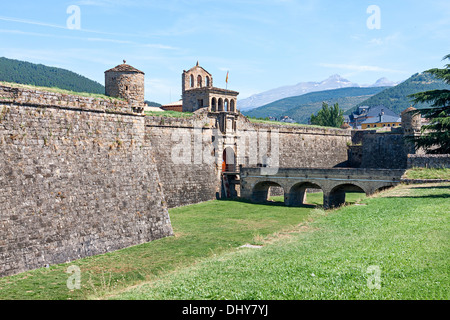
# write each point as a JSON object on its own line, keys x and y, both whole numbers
{"x": 124, "y": 68}
{"x": 408, "y": 110}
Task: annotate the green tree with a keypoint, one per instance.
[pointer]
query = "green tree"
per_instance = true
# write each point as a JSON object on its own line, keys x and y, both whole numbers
{"x": 435, "y": 135}
{"x": 328, "y": 116}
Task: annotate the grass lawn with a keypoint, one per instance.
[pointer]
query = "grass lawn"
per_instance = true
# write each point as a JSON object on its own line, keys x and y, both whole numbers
{"x": 62, "y": 91}
{"x": 394, "y": 247}
{"x": 201, "y": 231}
{"x": 169, "y": 113}
{"x": 254, "y": 120}
{"x": 428, "y": 173}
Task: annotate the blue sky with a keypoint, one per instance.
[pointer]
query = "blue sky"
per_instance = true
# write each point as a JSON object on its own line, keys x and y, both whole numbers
{"x": 263, "y": 43}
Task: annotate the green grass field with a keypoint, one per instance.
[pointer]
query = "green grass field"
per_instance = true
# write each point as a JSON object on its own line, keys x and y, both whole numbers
{"x": 255, "y": 120}
{"x": 307, "y": 253}
{"x": 201, "y": 231}
{"x": 394, "y": 247}
{"x": 428, "y": 173}
{"x": 169, "y": 113}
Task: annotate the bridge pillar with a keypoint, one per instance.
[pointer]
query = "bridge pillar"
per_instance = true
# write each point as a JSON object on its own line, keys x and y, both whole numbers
{"x": 260, "y": 196}
{"x": 293, "y": 199}
{"x": 333, "y": 199}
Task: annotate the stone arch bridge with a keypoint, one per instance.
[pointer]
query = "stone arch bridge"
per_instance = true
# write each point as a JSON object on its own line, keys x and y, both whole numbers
{"x": 334, "y": 182}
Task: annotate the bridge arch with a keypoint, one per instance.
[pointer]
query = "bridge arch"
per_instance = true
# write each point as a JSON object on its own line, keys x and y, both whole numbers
{"x": 297, "y": 193}
{"x": 336, "y": 197}
{"x": 260, "y": 192}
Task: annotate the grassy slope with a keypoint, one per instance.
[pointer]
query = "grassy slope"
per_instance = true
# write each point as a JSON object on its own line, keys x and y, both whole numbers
{"x": 319, "y": 254}
{"x": 288, "y": 124}
{"x": 403, "y": 233}
{"x": 58, "y": 90}
{"x": 202, "y": 230}
{"x": 169, "y": 113}
{"x": 428, "y": 173}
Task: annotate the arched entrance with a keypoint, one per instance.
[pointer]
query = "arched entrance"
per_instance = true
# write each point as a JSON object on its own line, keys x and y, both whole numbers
{"x": 228, "y": 160}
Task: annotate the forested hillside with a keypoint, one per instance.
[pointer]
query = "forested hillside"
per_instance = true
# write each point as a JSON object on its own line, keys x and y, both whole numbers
{"x": 396, "y": 98}
{"x": 40, "y": 75}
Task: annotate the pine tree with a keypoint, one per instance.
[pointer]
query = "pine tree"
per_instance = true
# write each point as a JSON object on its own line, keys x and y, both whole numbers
{"x": 435, "y": 135}
{"x": 328, "y": 116}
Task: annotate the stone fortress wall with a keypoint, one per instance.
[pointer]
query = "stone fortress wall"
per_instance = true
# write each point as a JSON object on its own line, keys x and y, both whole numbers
{"x": 428, "y": 161}
{"x": 78, "y": 177}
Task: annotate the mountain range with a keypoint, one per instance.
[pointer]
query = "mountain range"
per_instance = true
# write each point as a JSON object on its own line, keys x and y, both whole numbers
{"x": 300, "y": 108}
{"x": 333, "y": 82}
{"x": 396, "y": 98}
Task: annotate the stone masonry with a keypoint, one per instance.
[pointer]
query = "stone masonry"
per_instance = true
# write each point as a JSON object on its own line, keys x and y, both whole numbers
{"x": 78, "y": 177}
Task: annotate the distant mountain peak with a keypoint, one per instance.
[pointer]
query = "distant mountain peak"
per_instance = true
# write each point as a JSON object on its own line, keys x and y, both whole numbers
{"x": 334, "y": 81}
{"x": 336, "y": 77}
{"x": 384, "y": 82}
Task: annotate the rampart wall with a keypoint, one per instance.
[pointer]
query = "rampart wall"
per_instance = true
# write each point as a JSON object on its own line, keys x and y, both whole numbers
{"x": 384, "y": 150}
{"x": 309, "y": 147}
{"x": 180, "y": 146}
{"x": 78, "y": 177}
{"x": 428, "y": 161}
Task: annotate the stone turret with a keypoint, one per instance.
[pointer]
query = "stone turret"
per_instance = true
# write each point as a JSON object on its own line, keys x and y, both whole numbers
{"x": 411, "y": 122}
{"x": 126, "y": 82}
{"x": 411, "y": 126}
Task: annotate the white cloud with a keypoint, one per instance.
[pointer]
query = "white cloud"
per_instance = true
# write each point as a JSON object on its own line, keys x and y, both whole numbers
{"x": 392, "y": 39}
{"x": 38, "y": 23}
